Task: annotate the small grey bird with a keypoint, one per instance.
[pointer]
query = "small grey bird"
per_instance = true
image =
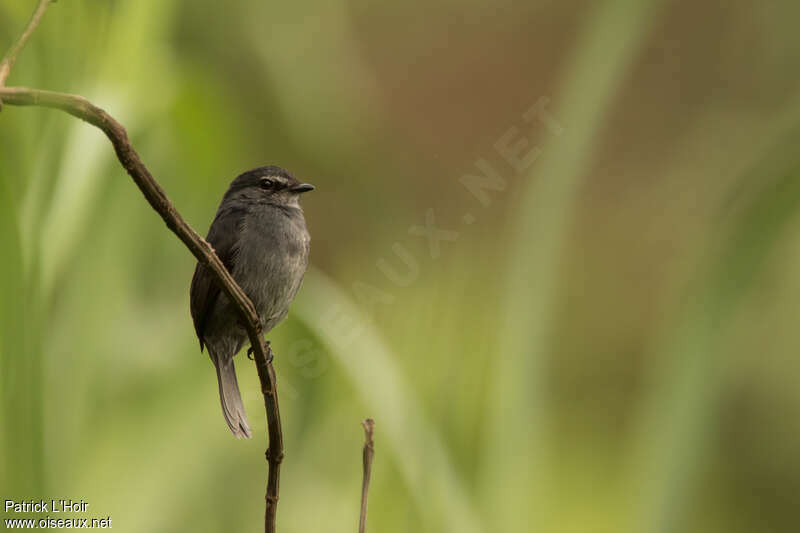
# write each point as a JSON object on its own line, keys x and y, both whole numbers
{"x": 260, "y": 235}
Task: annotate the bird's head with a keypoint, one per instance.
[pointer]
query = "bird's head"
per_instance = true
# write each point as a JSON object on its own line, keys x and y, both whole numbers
{"x": 268, "y": 184}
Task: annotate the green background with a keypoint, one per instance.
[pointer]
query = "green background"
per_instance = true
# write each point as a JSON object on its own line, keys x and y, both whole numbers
{"x": 609, "y": 346}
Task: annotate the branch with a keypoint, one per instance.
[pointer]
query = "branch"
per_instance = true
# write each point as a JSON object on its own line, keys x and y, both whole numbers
{"x": 11, "y": 57}
{"x": 368, "y": 454}
{"x": 83, "y": 109}
{"x": 266, "y": 374}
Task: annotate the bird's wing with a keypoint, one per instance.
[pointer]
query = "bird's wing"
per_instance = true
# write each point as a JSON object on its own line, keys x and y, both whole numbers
{"x": 223, "y": 237}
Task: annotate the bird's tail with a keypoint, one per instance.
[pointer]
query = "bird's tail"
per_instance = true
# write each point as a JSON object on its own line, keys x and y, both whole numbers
{"x": 230, "y": 398}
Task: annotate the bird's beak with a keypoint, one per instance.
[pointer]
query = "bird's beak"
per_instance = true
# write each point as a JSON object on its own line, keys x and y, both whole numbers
{"x": 303, "y": 187}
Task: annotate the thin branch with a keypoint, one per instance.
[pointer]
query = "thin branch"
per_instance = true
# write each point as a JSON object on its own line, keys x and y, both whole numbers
{"x": 368, "y": 454}
{"x": 11, "y": 57}
{"x": 266, "y": 374}
{"x": 81, "y": 108}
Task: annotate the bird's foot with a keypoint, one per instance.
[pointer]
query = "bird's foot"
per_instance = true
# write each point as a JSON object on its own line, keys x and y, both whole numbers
{"x": 270, "y": 355}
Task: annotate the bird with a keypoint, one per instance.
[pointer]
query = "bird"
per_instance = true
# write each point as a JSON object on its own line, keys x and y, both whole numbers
{"x": 260, "y": 235}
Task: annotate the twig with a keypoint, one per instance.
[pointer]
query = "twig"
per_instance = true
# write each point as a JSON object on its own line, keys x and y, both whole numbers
{"x": 368, "y": 454}
{"x": 11, "y": 57}
{"x": 266, "y": 374}
{"x": 81, "y": 108}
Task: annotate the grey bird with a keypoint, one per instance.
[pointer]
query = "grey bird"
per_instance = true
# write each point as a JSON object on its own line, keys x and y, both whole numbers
{"x": 260, "y": 235}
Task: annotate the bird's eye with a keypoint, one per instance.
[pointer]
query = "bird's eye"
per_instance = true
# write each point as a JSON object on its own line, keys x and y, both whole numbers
{"x": 267, "y": 183}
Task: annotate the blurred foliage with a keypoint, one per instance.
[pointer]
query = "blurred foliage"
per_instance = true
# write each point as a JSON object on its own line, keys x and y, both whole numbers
{"x": 608, "y": 344}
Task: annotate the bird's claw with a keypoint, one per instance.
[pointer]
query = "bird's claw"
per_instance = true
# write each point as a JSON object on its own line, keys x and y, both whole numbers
{"x": 270, "y": 355}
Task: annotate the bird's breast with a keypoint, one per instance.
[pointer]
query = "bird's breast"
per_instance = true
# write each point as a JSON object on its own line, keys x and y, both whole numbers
{"x": 271, "y": 261}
